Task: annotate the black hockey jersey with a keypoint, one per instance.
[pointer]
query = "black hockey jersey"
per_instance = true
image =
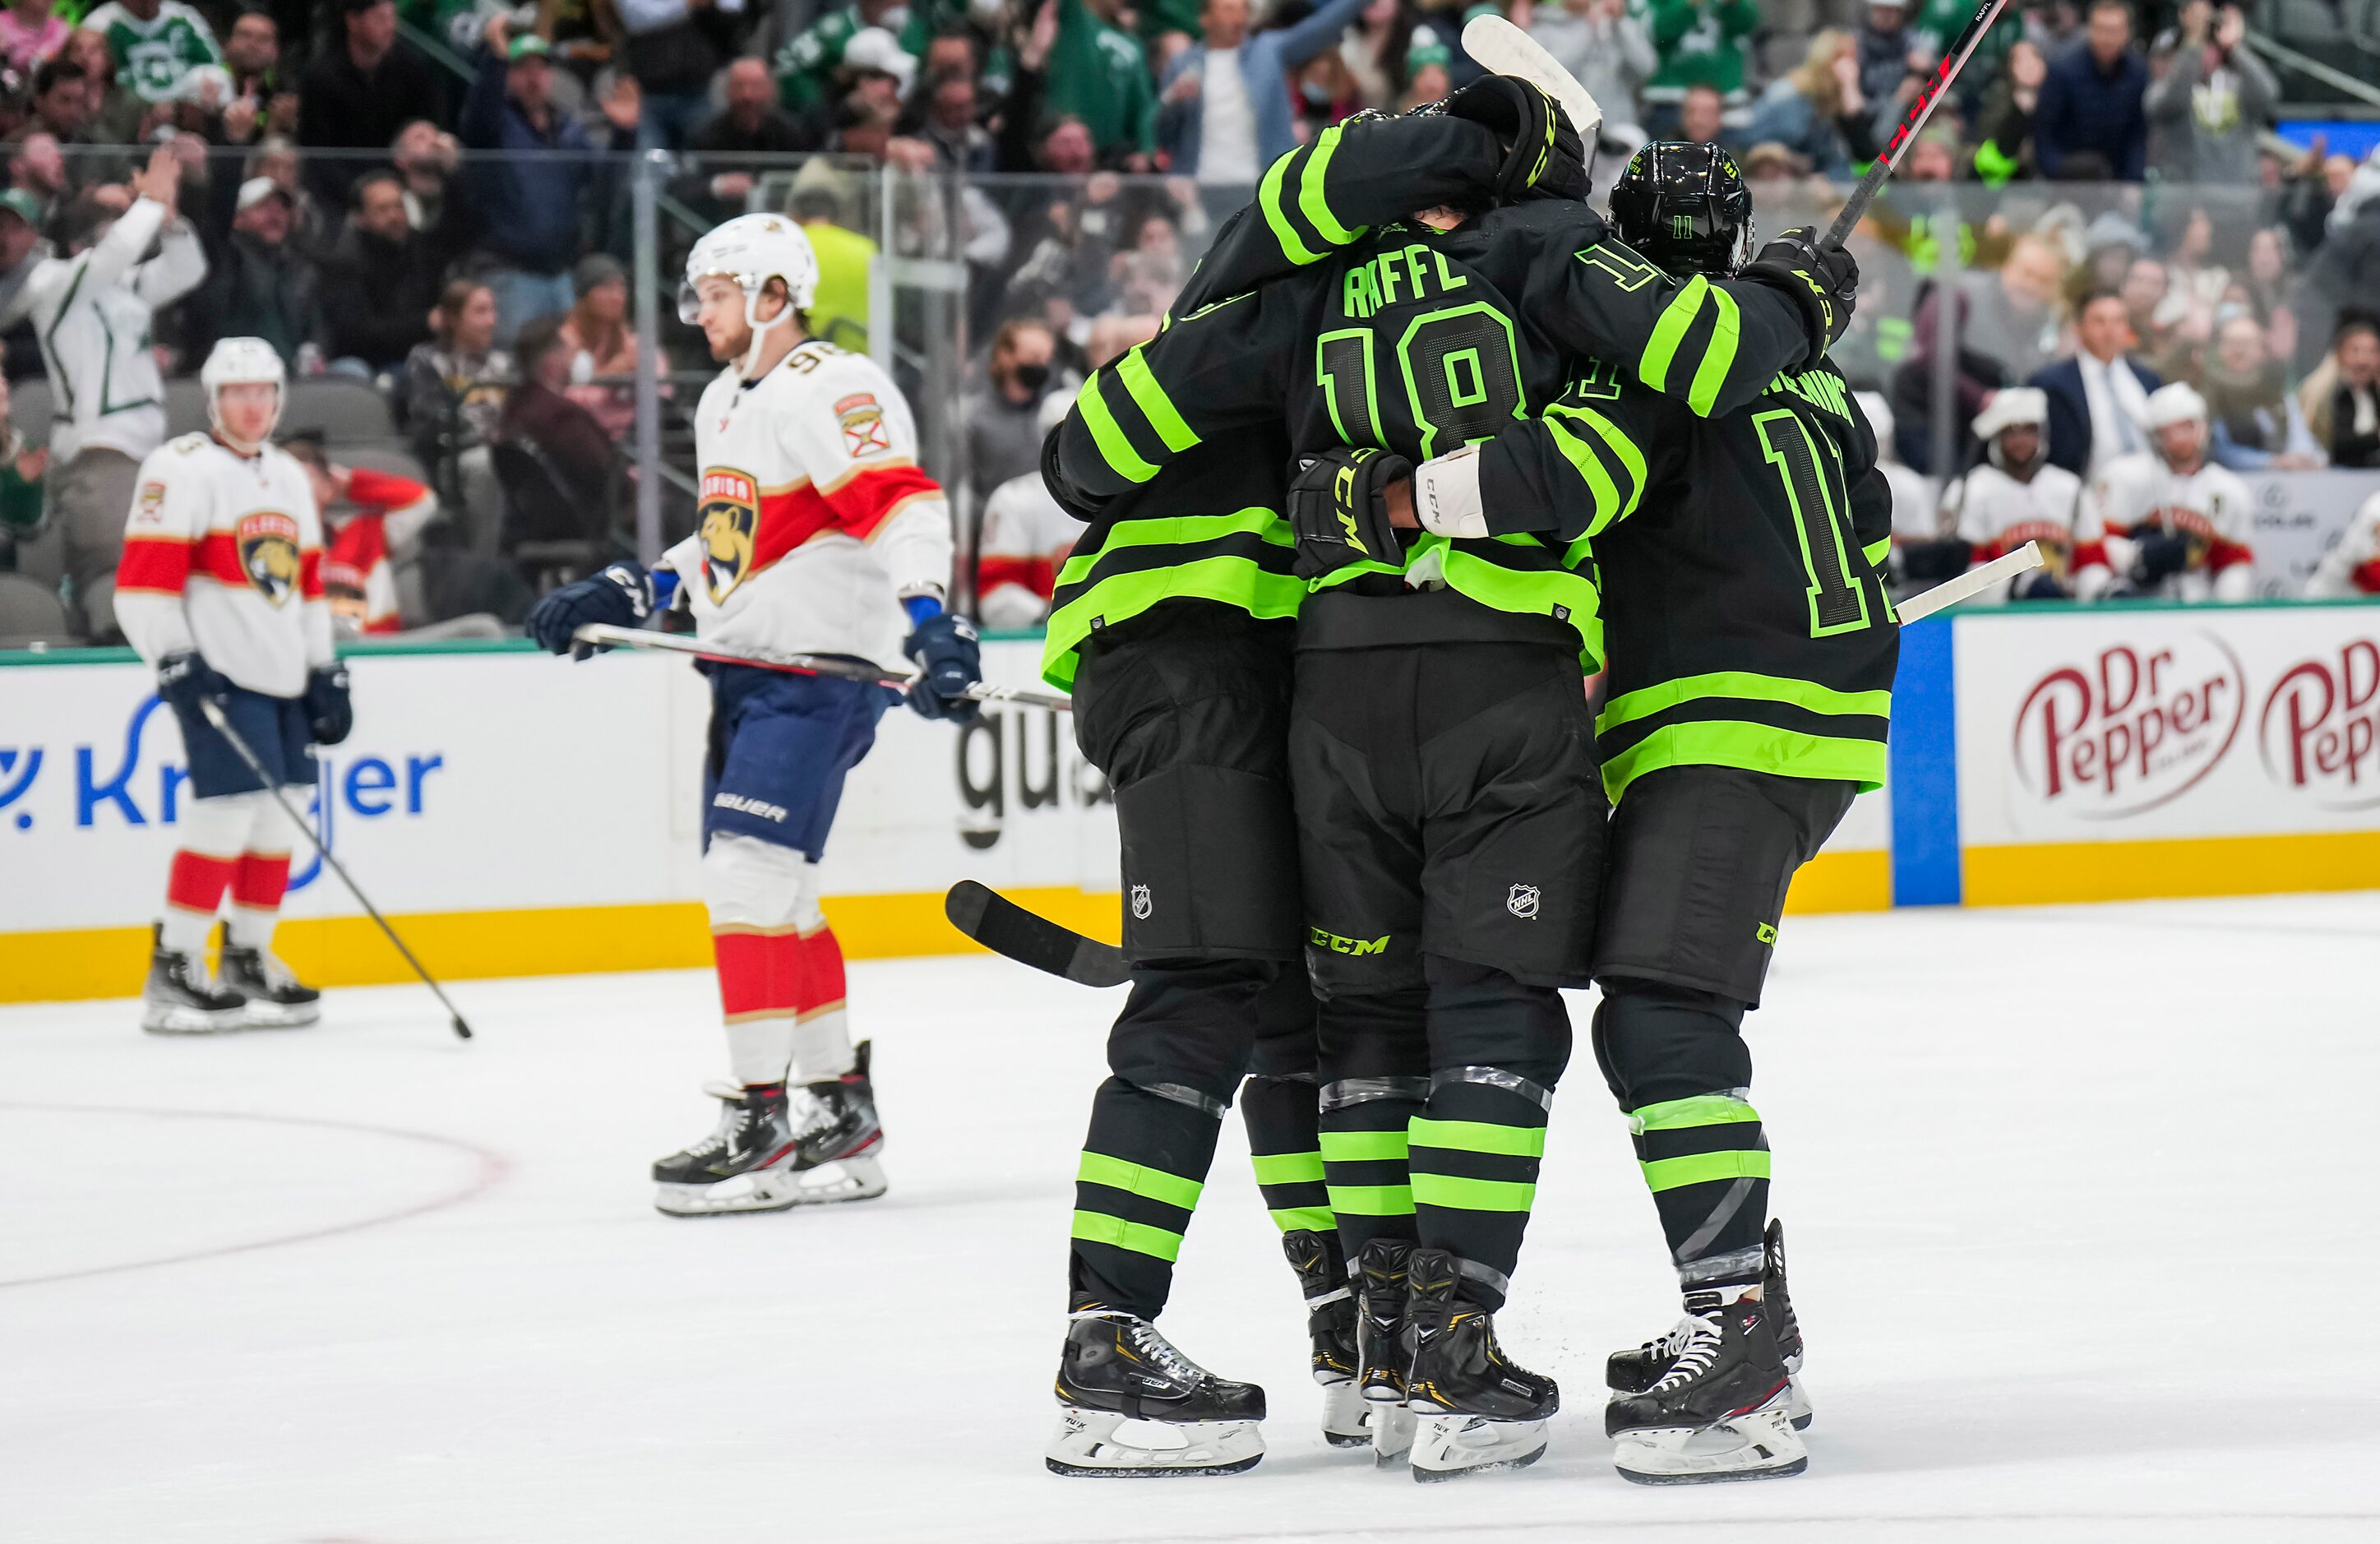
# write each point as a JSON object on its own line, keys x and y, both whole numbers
{"x": 1743, "y": 602}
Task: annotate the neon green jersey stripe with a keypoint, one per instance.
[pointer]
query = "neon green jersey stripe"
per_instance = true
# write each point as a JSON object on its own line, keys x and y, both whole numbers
{"x": 1661, "y": 351}
{"x": 1600, "y": 489}
{"x": 1473, "y": 1195}
{"x": 1287, "y": 1168}
{"x": 1875, "y": 552}
{"x": 1177, "y": 530}
{"x": 1231, "y": 581}
{"x": 1109, "y": 435}
{"x": 1134, "y": 372}
{"x": 1372, "y": 1200}
{"x": 1645, "y": 701}
{"x": 1668, "y": 1173}
{"x": 1361, "y": 1147}
{"x": 1701, "y": 1110}
{"x": 1753, "y": 748}
{"x": 1269, "y": 199}
{"x": 1726, "y": 330}
{"x": 1519, "y": 1141}
{"x": 1098, "y": 1227}
{"x": 1311, "y": 194}
{"x": 1139, "y": 1179}
{"x": 1314, "y": 1219}
{"x": 1623, "y": 447}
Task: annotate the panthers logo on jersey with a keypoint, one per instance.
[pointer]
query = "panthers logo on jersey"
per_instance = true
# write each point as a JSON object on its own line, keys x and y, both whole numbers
{"x": 730, "y": 514}
{"x": 268, "y": 555}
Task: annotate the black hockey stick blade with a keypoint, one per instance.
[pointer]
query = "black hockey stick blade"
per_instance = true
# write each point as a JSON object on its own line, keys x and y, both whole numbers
{"x": 1005, "y": 927}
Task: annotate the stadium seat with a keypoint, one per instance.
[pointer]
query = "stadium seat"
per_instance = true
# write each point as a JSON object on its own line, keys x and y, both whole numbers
{"x": 30, "y": 612}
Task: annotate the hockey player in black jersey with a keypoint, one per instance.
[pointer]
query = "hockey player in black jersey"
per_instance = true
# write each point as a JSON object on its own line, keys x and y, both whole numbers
{"x": 1753, "y": 648}
{"x": 1439, "y": 735}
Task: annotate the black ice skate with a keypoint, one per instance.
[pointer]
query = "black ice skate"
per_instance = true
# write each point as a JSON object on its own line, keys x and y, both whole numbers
{"x": 179, "y": 998}
{"x": 1378, "y": 1276}
{"x": 1132, "y": 1406}
{"x": 1330, "y": 1319}
{"x": 1633, "y": 1372}
{"x": 276, "y": 1000}
{"x": 1723, "y": 1409}
{"x": 841, "y": 1141}
{"x": 772, "y": 1152}
{"x": 1477, "y": 1409}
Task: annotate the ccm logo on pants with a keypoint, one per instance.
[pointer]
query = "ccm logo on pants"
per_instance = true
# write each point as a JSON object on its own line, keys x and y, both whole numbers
{"x": 1338, "y": 945}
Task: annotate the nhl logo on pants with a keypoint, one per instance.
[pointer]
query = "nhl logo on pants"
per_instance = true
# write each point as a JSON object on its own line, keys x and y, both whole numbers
{"x": 1141, "y": 905}
{"x": 1523, "y": 902}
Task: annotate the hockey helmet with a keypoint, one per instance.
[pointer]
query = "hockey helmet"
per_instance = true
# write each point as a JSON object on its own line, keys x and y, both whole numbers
{"x": 2015, "y": 408}
{"x": 1683, "y": 205}
{"x": 242, "y": 362}
{"x": 2176, "y": 403}
{"x": 751, "y": 249}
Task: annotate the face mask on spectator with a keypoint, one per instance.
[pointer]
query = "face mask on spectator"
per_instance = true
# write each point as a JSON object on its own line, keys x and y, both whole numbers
{"x": 1030, "y": 376}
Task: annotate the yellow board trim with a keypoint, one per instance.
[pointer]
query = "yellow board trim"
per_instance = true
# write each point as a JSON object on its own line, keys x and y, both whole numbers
{"x": 467, "y": 946}
{"x": 2055, "y": 872}
{"x": 1841, "y": 881}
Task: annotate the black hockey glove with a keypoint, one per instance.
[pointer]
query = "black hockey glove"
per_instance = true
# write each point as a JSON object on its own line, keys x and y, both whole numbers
{"x": 621, "y": 596}
{"x": 1543, "y": 158}
{"x": 1338, "y": 506}
{"x": 1824, "y": 281}
{"x": 185, "y": 677}
{"x": 949, "y": 661}
{"x": 330, "y": 711}
{"x": 2040, "y": 585}
{"x": 2157, "y": 556}
{"x": 1933, "y": 562}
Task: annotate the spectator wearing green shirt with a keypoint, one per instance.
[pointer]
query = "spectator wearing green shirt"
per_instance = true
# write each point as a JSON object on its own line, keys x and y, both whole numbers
{"x": 1098, "y": 74}
{"x": 1700, "y": 44}
{"x": 805, "y": 66}
{"x": 156, "y": 44}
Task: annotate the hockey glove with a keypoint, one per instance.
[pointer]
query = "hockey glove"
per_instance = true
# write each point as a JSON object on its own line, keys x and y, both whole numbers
{"x": 2040, "y": 585}
{"x": 949, "y": 661}
{"x": 185, "y": 677}
{"x": 1823, "y": 282}
{"x": 1339, "y": 508}
{"x": 1543, "y": 158}
{"x": 2157, "y": 556}
{"x": 621, "y": 596}
{"x": 330, "y": 713}
{"x": 1934, "y": 562}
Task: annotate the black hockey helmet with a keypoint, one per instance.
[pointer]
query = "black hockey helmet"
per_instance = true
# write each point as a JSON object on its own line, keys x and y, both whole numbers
{"x": 1684, "y": 206}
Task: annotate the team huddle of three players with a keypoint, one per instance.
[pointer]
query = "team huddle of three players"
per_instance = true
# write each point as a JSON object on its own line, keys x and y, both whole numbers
{"x": 1425, "y": 444}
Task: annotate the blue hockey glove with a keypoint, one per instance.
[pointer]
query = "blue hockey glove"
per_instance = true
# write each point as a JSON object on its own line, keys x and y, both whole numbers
{"x": 2158, "y": 556}
{"x": 330, "y": 713}
{"x": 948, "y": 663}
{"x": 2039, "y": 585}
{"x": 621, "y": 596}
{"x": 185, "y": 677}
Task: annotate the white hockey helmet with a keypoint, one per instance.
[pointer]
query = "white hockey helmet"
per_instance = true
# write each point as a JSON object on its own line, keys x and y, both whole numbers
{"x": 240, "y": 362}
{"x": 752, "y": 250}
{"x": 2013, "y": 408}
{"x": 2177, "y": 403}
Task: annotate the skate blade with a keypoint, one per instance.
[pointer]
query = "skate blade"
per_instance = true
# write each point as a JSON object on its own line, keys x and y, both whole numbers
{"x": 781, "y": 1189}
{"x": 1392, "y": 1434}
{"x": 1101, "y": 1444}
{"x": 1797, "y": 1401}
{"x": 1447, "y": 1447}
{"x": 261, "y": 1014}
{"x": 1343, "y": 1415}
{"x": 174, "y": 1018}
{"x": 1762, "y": 1445}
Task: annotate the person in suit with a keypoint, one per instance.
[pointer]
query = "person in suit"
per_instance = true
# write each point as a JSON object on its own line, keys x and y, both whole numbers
{"x": 2098, "y": 399}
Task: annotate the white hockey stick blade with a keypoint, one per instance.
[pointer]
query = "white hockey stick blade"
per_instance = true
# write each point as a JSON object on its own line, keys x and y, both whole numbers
{"x": 1500, "y": 48}
{"x": 608, "y": 636}
{"x": 2008, "y": 565}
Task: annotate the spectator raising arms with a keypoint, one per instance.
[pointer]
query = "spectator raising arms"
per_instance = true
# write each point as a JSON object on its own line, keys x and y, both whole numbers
{"x": 1700, "y": 44}
{"x": 2210, "y": 98}
{"x": 359, "y": 93}
{"x": 805, "y": 66}
{"x": 1606, "y": 47}
{"x": 671, "y": 48}
{"x": 1098, "y": 74}
{"x": 1226, "y": 114}
{"x": 2091, "y": 99}
{"x": 537, "y": 185}
{"x": 92, "y": 310}
{"x": 156, "y": 43}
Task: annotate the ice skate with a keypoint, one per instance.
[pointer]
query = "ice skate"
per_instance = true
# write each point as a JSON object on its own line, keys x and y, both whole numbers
{"x": 1385, "y": 1354}
{"x": 276, "y": 1000}
{"x": 772, "y": 1152}
{"x": 1633, "y": 1372}
{"x": 179, "y": 999}
{"x": 1475, "y": 1409}
{"x": 1721, "y": 1411}
{"x": 1132, "y": 1406}
{"x": 1330, "y": 1320}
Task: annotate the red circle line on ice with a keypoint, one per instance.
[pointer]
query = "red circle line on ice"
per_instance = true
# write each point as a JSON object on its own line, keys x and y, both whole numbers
{"x": 488, "y": 1171}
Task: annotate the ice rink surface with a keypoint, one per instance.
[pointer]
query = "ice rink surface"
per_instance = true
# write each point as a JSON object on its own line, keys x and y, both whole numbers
{"x": 2080, "y": 1206}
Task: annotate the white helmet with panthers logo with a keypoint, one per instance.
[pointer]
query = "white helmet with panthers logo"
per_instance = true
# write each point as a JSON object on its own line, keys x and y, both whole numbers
{"x": 239, "y": 363}
{"x": 751, "y": 249}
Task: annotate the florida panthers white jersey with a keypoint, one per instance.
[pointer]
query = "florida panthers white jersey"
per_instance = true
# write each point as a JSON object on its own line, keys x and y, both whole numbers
{"x": 2139, "y": 494}
{"x": 2353, "y": 567}
{"x": 815, "y": 521}
{"x": 1997, "y": 514}
{"x": 223, "y": 553}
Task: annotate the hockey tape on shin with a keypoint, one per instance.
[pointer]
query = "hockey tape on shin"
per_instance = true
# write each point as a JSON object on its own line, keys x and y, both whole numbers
{"x": 752, "y": 890}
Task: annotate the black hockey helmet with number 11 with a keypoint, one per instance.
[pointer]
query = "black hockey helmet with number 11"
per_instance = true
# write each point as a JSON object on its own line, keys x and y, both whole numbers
{"x": 1685, "y": 207}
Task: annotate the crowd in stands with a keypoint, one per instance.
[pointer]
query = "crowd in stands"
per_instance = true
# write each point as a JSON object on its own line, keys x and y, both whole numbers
{"x": 433, "y": 200}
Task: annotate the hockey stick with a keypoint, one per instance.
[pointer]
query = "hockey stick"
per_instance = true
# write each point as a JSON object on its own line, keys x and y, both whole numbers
{"x": 1882, "y": 167}
{"x": 2008, "y": 565}
{"x": 1500, "y": 48}
{"x": 273, "y": 786}
{"x": 801, "y": 664}
{"x": 1001, "y": 926}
